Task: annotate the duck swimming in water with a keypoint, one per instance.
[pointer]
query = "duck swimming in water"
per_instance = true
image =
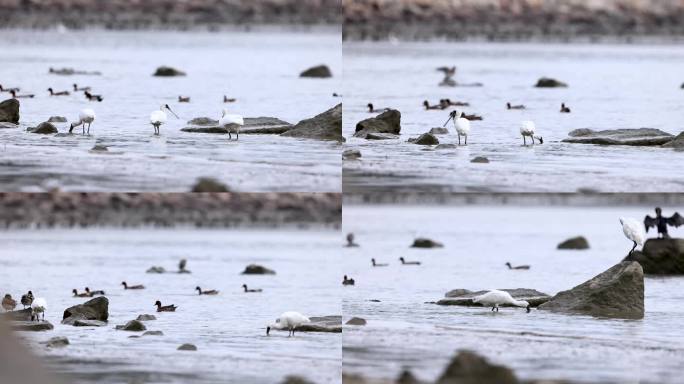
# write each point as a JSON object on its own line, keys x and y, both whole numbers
{"x": 429, "y": 107}
{"x": 93, "y": 293}
{"x": 209, "y": 292}
{"x": 509, "y": 106}
{"x": 92, "y": 97}
{"x": 60, "y": 93}
{"x": 182, "y": 99}
{"x": 517, "y": 267}
{"x": 76, "y": 294}
{"x": 347, "y": 281}
{"x": 564, "y": 109}
{"x": 126, "y": 286}
{"x": 250, "y": 290}
{"x": 378, "y": 264}
{"x": 26, "y": 96}
{"x": 165, "y": 308}
{"x": 404, "y": 262}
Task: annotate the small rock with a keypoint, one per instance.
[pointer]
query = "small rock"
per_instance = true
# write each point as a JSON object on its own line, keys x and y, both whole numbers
{"x": 167, "y": 72}
{"x": 9, "y": 111}
{"x": 386, "y": 122}
{"x": 356, "y": 321}
{"x": 425, "y": 243}
{"x": 132, "y": 326}
{"x": 546, "y": 82}
{"x": 469, "y": 367}
{"x": 320, "y": 71}
{"x": 18, "y": 315}
{"x": 406, "y": 377}
{"x": 439, "y": 131}
{"x": 146, "y": 317}
{"x": 446, "y": 146}
{"x": 187, "y": 347}
{"x": 425, "y": 139}
{"x": 44, "y": 128}
{"x": 203, "y": 121}
{"x": 254, "y": 269}
{"x": 381, "y": 136}
{"x": 57, "y": 342}
{"x": 153, "y": 333}
{"x": 324, "y": 126}
{"x": 578, "y": 242}
{"x": 99, "y": 148}
{"x": 95, "y": 309}
{"x": 206, "y": 184}
{"x": 89, "y": 323}
{"x": 351, "y": 154}
{"x": 57, "y": 119}
{"x": 155, "y": 269}
{"x": 480, "y": 159}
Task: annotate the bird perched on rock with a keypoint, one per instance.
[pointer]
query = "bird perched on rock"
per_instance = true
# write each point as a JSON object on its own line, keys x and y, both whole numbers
{"x": 661, "y": 222}
{"x": 27, "y": 299}
{"x": 632, "y": 230}
{"x": 8, "y": 303}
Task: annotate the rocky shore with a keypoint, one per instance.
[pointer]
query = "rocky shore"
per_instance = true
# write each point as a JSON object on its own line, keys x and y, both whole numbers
{"x": 166, "y": 14}
{"x": 512, "y": 19}
{"x": 166, "y": 210}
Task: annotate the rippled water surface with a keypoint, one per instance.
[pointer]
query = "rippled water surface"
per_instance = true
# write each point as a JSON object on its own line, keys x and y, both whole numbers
{"x": 610, "y": 86}
{"x": 405, "y": 331}
{"x": 260, "y": 69}
{"x": 228, "y": 329}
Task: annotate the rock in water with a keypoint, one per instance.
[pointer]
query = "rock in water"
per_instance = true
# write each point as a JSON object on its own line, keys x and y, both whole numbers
{"x": 146, "y": 317}
{"x": 677, "y": 142}
{"x": 202, "y": 121}
{"x": 18, "y": 315}
{"x": 57, "y": 119}
{"x": 480, "y": 159}
{"x": 615, "y": 293}
{"x": 57, "y": 342}
{"x": 439, "y": 131}
{"x": 386, "y": 122}
{"x": 95, "y": 309}
{"x": 44, "y": 128}
{"x": 381, "y": 136}
{"x": 625, "y": 136}
{"x": 206, "y": 184}
{"x": 356, "y": 321}
{"x": 325, "y": 126}
{"x": 351, "y": 154}
{"x": 9, "y": 111}
{"x": 254, "y": 269}
{"x": 187, "y": 347}
{"x": 425, "y": 243}
{"x": 31, "y": 326}
{"x": 546, "y": 82}
{"x": 320, "y": 72}
{"x": 153, "y": 333}
{"x": 661, "y": 257}
{"x": 470, "y": 368}
{"x": 89, "y": 323}
{"x": 168, "y": 72}
{"x": 425, "y": 139}
{"x": 132, "y": 326}
{"x": 578, "y": 242}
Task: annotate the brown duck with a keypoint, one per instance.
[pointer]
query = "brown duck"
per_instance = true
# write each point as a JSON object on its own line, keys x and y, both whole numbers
{"x": 126, "y": 286}
{"x": 209, "y": 292}
{"x": 165, "y": 308}
{"x": 8, "y": 303}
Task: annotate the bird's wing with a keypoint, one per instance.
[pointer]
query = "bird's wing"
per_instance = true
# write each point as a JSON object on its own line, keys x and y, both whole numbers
{"x": 675, "y": 220}
{"x": 649, "y": 222}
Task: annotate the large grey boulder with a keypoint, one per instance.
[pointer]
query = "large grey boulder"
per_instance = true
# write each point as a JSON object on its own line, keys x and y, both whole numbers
{"x": 44, "y": 128}
{"x": 255, "y": 269}
{"x": 546, "y": 82}
{"x": 660, "y": 257}
{"x": 95, "y": 309}
{"x": 386, "y": 122}
{"x": 325, "y": 126}
{"x": 422, "y": 242}
{"x": 470, "y": 368}
{"x": 9, "y": 111}
{"x": 578, "y": 242}
{"x": 464, "y": 297}
{"x": 625, "y": 136}
{"x": 319, "y": 71}
{"x": 615, "y": 293}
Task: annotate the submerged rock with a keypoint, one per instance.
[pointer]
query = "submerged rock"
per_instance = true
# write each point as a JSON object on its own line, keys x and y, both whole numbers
{"x": 480, "y": 159}
{"x": 146, "y": 317}
{"x": 660, "y": 257}
{"x": 9, "y": 111}
{"x": 425, "y": 139}
{"x": 253, "y": 125}
{"x": 153, "y": 333}
{"x": 155, "y": 269}
{"x": 446, "y": 146}
{"x": 99, "y": 148}
{"x": 168, "y": 72}
{"x": 351, "y": 154}
{"x": 439, "y": 131}
{"x": 187, "y": 347}
{"x": 356, "y": 321}
{"x": 95, "y": 309}
{"x": 132, "y": 326}
{"x": 4, "y": 125}
{"x": 677, "y": 142}
{"x": 44, "y": 128}
{"x": 578, "y": 242}
{"x": 325, "y": 126}
{"x": 470, "y": 368}
{"x": 31, "y": 326}
{"x": 255, "y": 269}
{"x": 89, "y": 323}
{"x": 207, "y": 184}
{"x": 203, "y": 121}
{"x": 464, "y": 297}
{"x": 57, "y": 119}
{"x": 57, "y": 342}
{"x": 546, "y": 82}
{"x": 422, "y": 242}
{"x": 615, "y": 293}
{"x": 381, "y": 136}
{"x": 386, "y": 122}
{"x": 319, "y": 71}
{"x": 331, "y": 324}
{"x": 627, "y": 136}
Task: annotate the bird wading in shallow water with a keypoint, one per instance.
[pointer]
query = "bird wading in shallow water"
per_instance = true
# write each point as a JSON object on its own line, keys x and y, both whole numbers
{"x": 232, "y": 123}
{"x": 528, "y": 129}
{"x": 158, "y": 118}
{"x": 461, "y": 124}
{"x": 495, "y": 297}
{"x": 85, "y": 116}
{"x": 661, "y": 222}
{"x": 288, "y": 321}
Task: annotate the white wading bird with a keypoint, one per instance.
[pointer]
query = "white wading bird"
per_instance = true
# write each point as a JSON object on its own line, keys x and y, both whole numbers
{"x": 494, "y": 298}
{"x": 527, "y": 129}
{"x": 157, "y": 118}
{"x": 38, "y": 306}
{"x": 86, "y": 116}
{"x": 633, "y": 230}
{"x": 232, "y": 123}
{"x": 289, "y": 321}
{"x": 461, "y": 124}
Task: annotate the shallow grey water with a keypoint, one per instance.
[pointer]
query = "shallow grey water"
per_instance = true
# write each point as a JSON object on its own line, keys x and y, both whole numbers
{"x": 260, "y": 69}
{"x": 405, "y": 331}
{"x": 610, "y": 86}
{"x": 228, "y": 329}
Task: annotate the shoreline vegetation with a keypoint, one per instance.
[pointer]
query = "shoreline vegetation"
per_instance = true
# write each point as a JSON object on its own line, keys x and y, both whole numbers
{"x": 167, "y": 14}
{"x": 206, "y": 210}
{"x": 514, "y": 20}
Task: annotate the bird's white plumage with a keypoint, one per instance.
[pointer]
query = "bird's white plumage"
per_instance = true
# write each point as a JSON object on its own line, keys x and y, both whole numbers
{"x": 462, "y": 125}
{"x": 527, "y": 128}
{"x": 633, "y": 230}
{"x": 495, "y": 297}
{"x": 290, "y": 320}
{"x": 86, "y": 115}
{"x": 230, "y": 118}
{"x": 158, "y": 117}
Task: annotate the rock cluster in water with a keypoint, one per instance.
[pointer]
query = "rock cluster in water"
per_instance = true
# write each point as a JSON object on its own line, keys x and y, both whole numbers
{"x": 661, "y": 256}
{"x": 422, "y": 242}
{"x": 319, "y": 71}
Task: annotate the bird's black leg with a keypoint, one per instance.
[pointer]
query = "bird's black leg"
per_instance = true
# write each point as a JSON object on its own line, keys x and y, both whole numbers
{"x": 237, "y": 136}
{"x": 493, "y": 309}
{"x": 459, "y": 139}
{"x": 466, "y": 140}
{"x": 524, "y": 140}
{"x": 633, "y": 248}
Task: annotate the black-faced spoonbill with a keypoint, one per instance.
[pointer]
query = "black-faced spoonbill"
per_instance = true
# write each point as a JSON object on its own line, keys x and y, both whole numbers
{"x": 165, "y": 308}
{"x": 38, "y": 307}
{"x": 158, "y": 118}
{"x": 527, "y": 129}
{"x": 209, "y": 292}
{"x": 633, "y": 230}
{"x": 495, "y": 297}
{"x": 232, "y": 123}
{"x": 86, "y": 116}
{"x": 289, "y": 321}
{"x": 60, "y": 93}
{"x": 461, "y": 124}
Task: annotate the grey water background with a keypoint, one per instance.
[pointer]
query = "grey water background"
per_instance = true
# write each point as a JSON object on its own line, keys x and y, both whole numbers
{"x": 404, "y": 331}
{"x": 228, "y": 329}
{"x": 260, "y": 68}
{"x": 610, "y": 86}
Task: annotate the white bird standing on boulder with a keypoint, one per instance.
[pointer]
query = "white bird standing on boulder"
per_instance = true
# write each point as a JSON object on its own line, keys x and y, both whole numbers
{"x": 461, "y": 124}
{"x": 633, "y": 230}
{"x": 527, "y": 129}
{"x": 289, "y": 321}
{"x": 157, "y": 118}
{"x": 495, "y": 297}
{"x": 86, "y": 116}
{"x": 231, "y": 122}
{"x": 38, "y": 306}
